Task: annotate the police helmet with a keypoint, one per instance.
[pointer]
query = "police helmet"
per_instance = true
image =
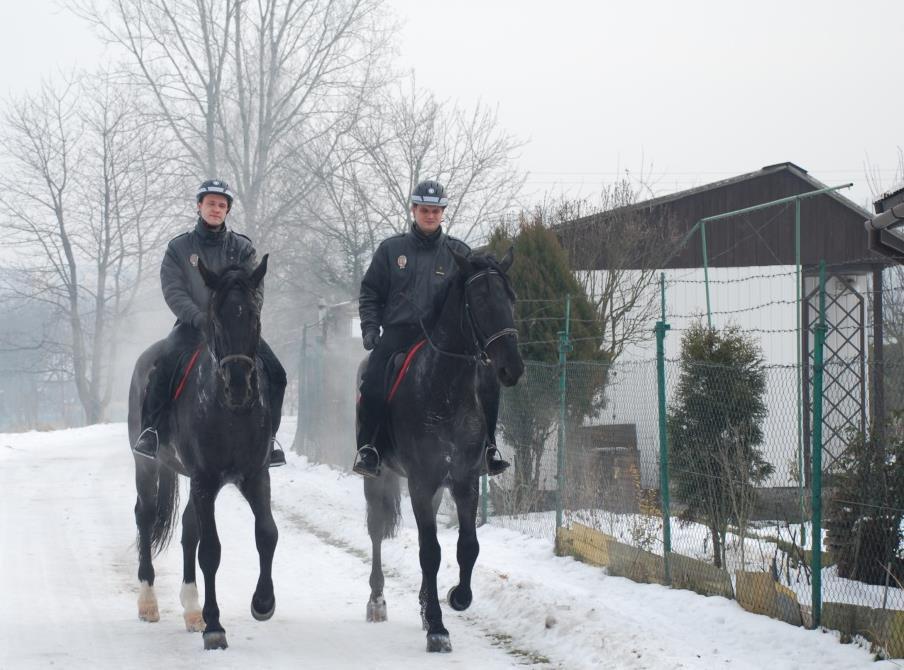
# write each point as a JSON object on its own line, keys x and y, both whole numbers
{"x": 217, "y": 186}
{"x": 429, "y": 193}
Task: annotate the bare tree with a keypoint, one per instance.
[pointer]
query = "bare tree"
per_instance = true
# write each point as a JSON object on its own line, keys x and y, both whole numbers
{"x": 255, "y": 92}
{"x": 615, "y": 236}
{"x": 82, "y": 199}
{"x": 405, "y": 136}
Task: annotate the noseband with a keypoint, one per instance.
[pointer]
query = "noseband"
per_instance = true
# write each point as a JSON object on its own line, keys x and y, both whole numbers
{"x": 239, "y": 358}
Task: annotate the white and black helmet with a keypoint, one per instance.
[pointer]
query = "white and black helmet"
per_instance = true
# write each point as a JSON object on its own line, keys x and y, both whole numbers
{"x": 217, "y": 186}
{"x": 429, "y": 193}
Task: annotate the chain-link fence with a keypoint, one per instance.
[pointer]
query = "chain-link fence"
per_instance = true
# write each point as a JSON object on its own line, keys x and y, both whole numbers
{"x": 733, "y": 507}
{"x": 739, "y": 482}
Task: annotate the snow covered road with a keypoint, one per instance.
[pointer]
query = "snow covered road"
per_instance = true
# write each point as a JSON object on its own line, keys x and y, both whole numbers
{"x": 67, "y": 577}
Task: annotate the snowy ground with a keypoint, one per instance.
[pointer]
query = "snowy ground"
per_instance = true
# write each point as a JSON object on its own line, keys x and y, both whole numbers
{"x": 67, "y": 577}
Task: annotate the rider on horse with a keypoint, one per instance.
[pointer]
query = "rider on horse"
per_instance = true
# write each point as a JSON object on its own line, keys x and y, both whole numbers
{"x": 187, "y": 296}
{"x": 400, "y": 292}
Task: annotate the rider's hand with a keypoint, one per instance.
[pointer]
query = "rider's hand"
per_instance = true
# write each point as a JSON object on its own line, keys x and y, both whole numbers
{"x": 371, "y": 339}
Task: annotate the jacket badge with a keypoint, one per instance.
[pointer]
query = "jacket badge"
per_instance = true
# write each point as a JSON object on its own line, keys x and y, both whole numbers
{"x": 402, "y": 261}
{"x": 193, "y": 259}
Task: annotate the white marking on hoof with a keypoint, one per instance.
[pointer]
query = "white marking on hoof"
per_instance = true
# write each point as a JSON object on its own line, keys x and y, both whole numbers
{"x": 191, "y": 608}
{"x": 147, "y": 603}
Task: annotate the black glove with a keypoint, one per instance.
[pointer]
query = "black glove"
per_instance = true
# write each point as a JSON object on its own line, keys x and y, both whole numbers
{"x": 371, "y": 339}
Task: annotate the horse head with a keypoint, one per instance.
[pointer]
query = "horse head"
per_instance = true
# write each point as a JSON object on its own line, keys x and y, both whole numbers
{"x": 490, "y": 306}
{"x": 234, "y": 328}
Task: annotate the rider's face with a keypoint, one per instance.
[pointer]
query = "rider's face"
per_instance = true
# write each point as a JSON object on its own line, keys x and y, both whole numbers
{"x": 427, "y": 217}
{"x": 213, "y": 209}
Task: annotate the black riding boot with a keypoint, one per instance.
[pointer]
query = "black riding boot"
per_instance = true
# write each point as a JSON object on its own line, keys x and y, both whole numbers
{"x": 276, "y": 378}
{"x": 367, "y": 460}
{"x": 155, "y": 401}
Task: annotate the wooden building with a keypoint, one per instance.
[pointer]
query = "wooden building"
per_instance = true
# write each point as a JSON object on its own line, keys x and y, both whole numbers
{"x": 832, "y": 227}
{"x": 667, "y": 237}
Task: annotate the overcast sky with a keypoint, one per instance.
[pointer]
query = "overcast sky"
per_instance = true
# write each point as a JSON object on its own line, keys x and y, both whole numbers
{"x": 688, "y": 92}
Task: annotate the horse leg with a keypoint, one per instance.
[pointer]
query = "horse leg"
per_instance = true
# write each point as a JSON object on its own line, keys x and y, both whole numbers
{"x": 257, "y": 492}
{"x": 466, "y": 496}
{"x": 203, "y": 496}
{"x": 145, "y": 514}
{"x": 422, "y": 594}
{"x": 425, "y": 515}
{"x": 382, "y": 495}
{"x": 188, "y": 595}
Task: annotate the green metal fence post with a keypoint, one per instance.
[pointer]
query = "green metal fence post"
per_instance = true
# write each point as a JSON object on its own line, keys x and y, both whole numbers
{"x": 801, "y": 465}
{"x": 817, "y": 450}
{"x": 661, "y": 328}
{"x": 709, "y": 310}
{"x": 564, "y": 343}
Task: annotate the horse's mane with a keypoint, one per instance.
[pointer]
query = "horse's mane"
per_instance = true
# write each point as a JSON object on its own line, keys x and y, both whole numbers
{"x": 236, "y": 276}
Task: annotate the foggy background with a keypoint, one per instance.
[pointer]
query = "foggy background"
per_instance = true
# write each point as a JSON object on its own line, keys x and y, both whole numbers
{"x": 322, "y": 116}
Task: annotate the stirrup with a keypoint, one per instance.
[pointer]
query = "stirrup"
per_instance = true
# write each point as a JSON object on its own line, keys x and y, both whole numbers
{"x": 277, "y": 455}
{"x": 144, "y": 451}
{"x": 360, "y": 467}
{"x": 494, "y": 466}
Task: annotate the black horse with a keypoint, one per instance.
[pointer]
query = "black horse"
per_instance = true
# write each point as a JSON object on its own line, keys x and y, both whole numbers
{"x": 217, "y": 432}
{"x": 436, "y": 429}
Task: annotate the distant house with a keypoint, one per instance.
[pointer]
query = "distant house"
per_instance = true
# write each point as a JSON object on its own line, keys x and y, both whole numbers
{"x": 752, "y": 259}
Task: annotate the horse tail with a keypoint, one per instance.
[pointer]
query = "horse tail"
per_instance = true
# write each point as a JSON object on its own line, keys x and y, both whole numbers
{"x": 167, "y": 509}
{"x": 384, "y": 505}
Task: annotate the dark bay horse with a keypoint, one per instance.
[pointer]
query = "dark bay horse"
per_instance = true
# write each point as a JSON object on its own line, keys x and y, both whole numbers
{"x": 436, "y": 430}
{"x": 217, "y": 432}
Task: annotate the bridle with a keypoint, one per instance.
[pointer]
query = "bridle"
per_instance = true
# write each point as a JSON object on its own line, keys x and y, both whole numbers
{"x": 480, "y": 340}
{"x": 247, "y": 360}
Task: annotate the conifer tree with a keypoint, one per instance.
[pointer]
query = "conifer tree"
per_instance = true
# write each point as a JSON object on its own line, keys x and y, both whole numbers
{"x": 715, "y": 429}
{"x": 529, "y": 414}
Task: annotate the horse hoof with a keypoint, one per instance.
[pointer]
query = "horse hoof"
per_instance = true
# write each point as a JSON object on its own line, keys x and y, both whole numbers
{"x": 459, "y": 605}
{"x": 147, "y": 604}
{"x": 215, "y": 640}
{"x": 439, "y": 642}
{"x": 262, "y": 616}
{"x": 149, "y": 613}
{"x": 194, "y": 622}
{"x": 376, "y": 610}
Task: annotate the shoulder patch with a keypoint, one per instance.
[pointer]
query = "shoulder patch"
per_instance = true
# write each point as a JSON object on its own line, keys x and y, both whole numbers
{"x": 187, "y": 232}
{"x": 242, "y": 235}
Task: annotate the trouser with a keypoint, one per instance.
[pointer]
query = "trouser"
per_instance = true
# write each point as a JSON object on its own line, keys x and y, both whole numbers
{"x": 182, "y": 340}
{"x": 372, "y": 403}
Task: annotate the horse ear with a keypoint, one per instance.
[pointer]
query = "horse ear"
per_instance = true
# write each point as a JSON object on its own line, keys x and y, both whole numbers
{"x": 463, "y": 263}
{"x": 259, "y": 271}
{"x": 506, "y": 261}
{"x": 211, "y": 279}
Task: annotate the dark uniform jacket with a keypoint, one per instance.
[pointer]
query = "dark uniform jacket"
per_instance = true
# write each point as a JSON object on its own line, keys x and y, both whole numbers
{"x": 408, "y": 274}
{"x": 183, "y": 287}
